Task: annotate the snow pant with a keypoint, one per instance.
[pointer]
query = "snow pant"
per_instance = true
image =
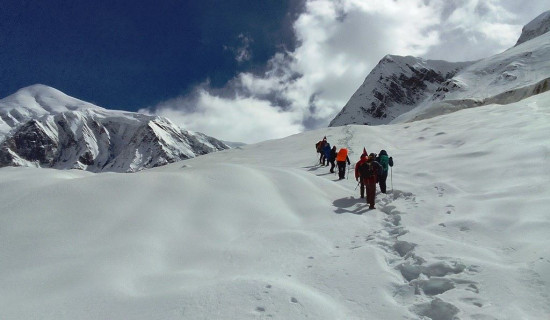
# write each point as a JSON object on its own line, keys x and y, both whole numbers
{"x": 382, "y": 181}
{"x": 371, "y": 193}
{"x": 362, "y": 188}
{"x": 332, "y": 164}
{"x": 322, "y": 159}
{"x": 341, "y": 169}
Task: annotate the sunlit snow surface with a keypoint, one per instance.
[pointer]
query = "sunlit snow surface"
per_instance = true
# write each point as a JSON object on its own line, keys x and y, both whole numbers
{"x": 263, "y": 232}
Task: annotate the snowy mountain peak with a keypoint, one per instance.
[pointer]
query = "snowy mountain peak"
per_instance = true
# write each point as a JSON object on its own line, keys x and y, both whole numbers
{"x": 43, "y": 127}
{"x": 404, "y": 89}
{"x": 393, "y": 87}
{"x": 43, "y": 99}
{"x": 539, "y": 26}
{"x": 34, "y": 102}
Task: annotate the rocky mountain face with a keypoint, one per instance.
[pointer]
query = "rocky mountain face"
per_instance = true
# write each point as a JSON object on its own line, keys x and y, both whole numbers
{"x": 539, "y": 26}
{"x": 42, "y": 127}
{"x": 403, "y": 89}
{"x": 396, "y": 85}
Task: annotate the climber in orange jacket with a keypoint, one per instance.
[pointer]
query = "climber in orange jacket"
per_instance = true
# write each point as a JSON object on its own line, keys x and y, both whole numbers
{"x": 341, "y": 159}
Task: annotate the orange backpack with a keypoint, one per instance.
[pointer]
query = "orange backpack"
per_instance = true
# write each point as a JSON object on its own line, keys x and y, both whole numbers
{"x": 342, "y": 155}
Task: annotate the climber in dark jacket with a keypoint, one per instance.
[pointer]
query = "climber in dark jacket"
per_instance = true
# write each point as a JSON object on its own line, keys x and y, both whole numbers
{"x": 320, "y": 146}
{"x": 326, "y": 151}
{"x": 386, "y": 162}
{"x": 332, "y": 159}
{"x": 362, "y": 160}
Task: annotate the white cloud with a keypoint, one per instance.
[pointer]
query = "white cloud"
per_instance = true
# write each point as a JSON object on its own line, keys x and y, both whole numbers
{"x": 240, "y": 119}
{"x": 339, "y": 42}
{"x": 473, "y": 29}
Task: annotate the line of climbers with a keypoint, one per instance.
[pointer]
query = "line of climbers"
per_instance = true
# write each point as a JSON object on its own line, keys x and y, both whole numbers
{"x": 329, "y": 156}
{"x": 369, "y": 170}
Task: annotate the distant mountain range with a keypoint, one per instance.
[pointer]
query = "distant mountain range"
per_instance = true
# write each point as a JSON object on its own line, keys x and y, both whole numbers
{"x": 401, "y": 89}
{"x": 43, "y": 127}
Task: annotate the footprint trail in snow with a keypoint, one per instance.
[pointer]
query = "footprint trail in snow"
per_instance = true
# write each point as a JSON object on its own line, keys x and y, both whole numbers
{"x": 424, "y": 282}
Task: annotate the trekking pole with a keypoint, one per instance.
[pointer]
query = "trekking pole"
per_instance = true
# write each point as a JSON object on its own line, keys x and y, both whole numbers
{"x": 391, "y": 178}
{"x": 358, "y": 182}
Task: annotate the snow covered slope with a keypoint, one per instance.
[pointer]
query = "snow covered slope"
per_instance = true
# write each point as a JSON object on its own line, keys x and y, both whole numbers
{"x": 41, "y": 126}
{"x": 511, "y": 76}
{"x": 263, "y": 232}
{"x": 396, "y": 85}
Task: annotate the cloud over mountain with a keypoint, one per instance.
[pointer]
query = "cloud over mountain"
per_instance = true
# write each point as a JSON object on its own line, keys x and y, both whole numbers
{"x": 339, "y": 42}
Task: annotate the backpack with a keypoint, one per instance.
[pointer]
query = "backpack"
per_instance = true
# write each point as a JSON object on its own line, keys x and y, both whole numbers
{"x": 366, "y": 170}
{"x": 342, "y": 155}
{"x": 326, "y": 150}
{"x": 384, "y": 162}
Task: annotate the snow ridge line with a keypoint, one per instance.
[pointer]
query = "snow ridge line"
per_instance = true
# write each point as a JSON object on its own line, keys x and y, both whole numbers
{"x": 424, "y": 282}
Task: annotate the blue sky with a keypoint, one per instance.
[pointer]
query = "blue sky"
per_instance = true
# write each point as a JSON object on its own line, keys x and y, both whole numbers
{"x": 238, "y": 70}
{"x": 132, "y": 54}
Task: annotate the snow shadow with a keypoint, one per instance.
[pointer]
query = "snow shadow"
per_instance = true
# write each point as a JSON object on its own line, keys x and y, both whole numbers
{"x": 327, "y": 173}
{"x": 350, "y": 205}
{"x": 313, "y": 167}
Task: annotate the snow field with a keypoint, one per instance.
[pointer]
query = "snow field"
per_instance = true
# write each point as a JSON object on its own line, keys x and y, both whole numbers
{"x": 262, "y": 231}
